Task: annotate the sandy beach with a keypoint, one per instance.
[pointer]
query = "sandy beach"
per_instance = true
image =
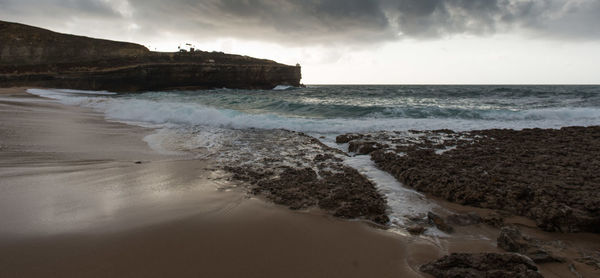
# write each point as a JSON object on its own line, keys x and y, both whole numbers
{"x": 74, "y": 203}
{"x": 85, "y": 197}
{"x": 372, "y": 138}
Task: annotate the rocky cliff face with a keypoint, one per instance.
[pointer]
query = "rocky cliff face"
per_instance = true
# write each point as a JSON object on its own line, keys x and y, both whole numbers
{"x": 26, "y": 45}
{"x": 31, "y": 56}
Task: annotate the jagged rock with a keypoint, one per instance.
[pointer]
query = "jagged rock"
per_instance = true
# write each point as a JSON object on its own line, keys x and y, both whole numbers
{"x": 512, "y": 240}
{"x": 346, "y": 194}
{"x": 439, "y": 222}
{"x": 467, "y": 219}
{"x": 345, "y": 138}
{"x": 324, "y": 157}
{"x": 494, "y": 220}
{"x": 541, "y": 255}
{"x": 416, "y": 229}
{"x": 549, "y": 175}
{"x": 363, "y": 147}
{"x": 482, "y": 265}
{"x": 591, "y": 261}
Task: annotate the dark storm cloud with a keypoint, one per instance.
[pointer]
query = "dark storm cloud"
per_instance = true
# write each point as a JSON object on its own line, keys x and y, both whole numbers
{"x": 332, "y": 21}
{"x": 278, "y": 20}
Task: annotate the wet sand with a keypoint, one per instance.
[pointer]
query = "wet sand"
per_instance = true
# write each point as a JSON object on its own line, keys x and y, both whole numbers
{"x": 74, "y": 203}
{"x": 84, "y": 197}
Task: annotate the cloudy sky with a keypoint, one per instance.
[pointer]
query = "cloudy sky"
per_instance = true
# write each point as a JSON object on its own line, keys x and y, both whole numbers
{"x": 356, "y": 41}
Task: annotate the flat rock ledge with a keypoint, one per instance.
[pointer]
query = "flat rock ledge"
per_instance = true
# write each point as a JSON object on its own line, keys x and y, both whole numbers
{"x": 489, "y": 265}
{"x": 345, "y": 194}
{"x": 512, "y": 240}
{"x": 312, "y": 175}
{"x": 549, "y": 175}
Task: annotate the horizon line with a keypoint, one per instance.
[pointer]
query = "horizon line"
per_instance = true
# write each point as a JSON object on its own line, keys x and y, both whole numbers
{"x": 451, "y": 84}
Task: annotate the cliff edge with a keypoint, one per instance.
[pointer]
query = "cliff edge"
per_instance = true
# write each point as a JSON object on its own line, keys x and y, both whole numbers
{"x": 31, "y": 56}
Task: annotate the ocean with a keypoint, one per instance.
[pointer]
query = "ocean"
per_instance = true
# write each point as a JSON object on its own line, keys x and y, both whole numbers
{"x": 274, "y": 128}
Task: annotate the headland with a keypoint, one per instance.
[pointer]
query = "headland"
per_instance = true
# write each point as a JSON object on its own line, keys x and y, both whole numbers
{"x": 35, "y": 57}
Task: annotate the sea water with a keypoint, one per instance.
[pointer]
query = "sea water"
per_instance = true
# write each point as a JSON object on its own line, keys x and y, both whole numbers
{"x": 251, "y": 126}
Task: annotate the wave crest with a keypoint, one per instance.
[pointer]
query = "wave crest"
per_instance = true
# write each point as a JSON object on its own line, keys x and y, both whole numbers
{"x": 162, "y": 111}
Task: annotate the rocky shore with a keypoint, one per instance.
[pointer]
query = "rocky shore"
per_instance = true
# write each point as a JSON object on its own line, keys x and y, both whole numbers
{"x": 482, "y": 265}
{"x": 483, "y": 169}
{"x": 550, "y": 176}
{"x": 311, "y": 174}
{"x": 31, "y": 56}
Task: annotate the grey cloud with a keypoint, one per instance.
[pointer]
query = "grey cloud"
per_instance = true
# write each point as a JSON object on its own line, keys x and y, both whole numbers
{"x": 58, "y": 8}
{"x": 292, "y": 21}
{"x": 333, "y": 21}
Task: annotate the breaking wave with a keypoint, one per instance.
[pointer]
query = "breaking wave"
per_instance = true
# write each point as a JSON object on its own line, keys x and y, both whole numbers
{"x": 243, "y": 110}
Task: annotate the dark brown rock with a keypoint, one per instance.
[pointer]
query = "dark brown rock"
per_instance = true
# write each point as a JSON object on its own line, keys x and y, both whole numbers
{"x": 439, "y": 222}
{"x": 512, "y": 240}
{"x": 347, "y": 194}
{"x": 590, "y": 260}
{"x": 549, "y": 175}
{"x": 324, "y": 157}
{"x": 464, "y": 219}
{"x": 541, "y": 255}
{"x": 494, "y": 219}
{"x": 416, "y": 229}
{"x": 482, "y": 265}
{"x": 345, "y": 138}
{"x": 362, "y": 147}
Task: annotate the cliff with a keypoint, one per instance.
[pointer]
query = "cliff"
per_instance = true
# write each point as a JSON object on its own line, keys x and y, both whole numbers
{"x": 31, "y": 56}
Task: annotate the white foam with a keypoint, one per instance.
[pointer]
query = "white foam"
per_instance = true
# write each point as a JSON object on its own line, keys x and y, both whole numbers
{"x": 546, "y": 114}
{"x": 282, "y": 88}
{"x": 404, "y": 203}
{"x": 71, "y": 91}
{"x": 445, "y": 150}
{"x": 192, "y": 114}
{"x": 59, "y": 94}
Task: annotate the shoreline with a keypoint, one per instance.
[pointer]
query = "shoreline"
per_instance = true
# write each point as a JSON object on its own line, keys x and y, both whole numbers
{"x": 76, "y": 208}
{"x": 170, "y": 210}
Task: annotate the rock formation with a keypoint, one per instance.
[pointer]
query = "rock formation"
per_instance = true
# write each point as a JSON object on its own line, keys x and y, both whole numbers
{"x": 482, "y": 265}
{"x": 312, "y": 174}
{"x": 512, "y": 240}
{"x": 549, "y": 175}
{"x": 31, "y": 56}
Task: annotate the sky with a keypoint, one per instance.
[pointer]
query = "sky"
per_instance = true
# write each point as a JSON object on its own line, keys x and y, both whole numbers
{"x": 356, "y": 41}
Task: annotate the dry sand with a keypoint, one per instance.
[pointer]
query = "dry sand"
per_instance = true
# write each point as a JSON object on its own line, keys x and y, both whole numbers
{"x": 73, "y": 203}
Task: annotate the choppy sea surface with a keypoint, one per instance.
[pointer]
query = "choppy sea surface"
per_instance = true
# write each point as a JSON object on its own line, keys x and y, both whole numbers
{"x": 247, "y": 126}
{"x": 339, "y": 109}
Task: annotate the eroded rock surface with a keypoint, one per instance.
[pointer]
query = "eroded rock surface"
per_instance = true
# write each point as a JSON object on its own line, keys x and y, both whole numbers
{"x": 512, "y": 240}
{"x": 299, "y": 172}
{"x": 465, "y": 219}
{"x": 482, "y": 265}
{"x": 439, "y": 222}
{"x": 551, "y": 176}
